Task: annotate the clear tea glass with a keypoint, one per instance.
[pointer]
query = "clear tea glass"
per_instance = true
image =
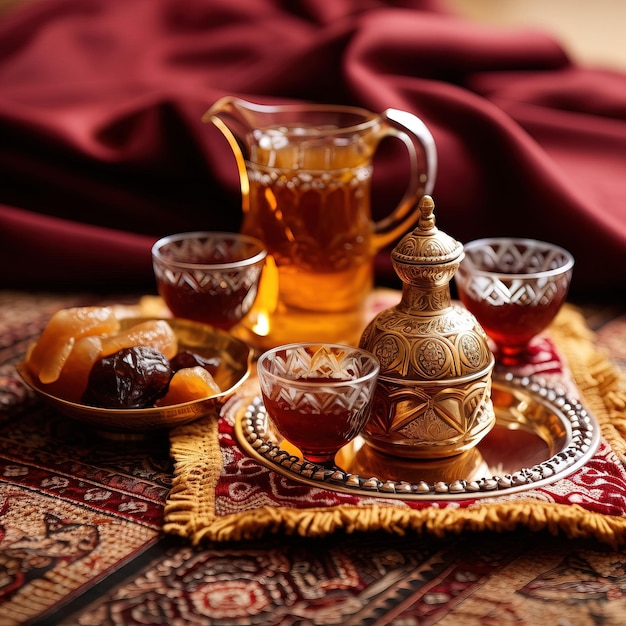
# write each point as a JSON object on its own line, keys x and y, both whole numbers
{"x": 514, "y": 287}
{"x": 209, "y": 277}
{"x": 318, "y": 396}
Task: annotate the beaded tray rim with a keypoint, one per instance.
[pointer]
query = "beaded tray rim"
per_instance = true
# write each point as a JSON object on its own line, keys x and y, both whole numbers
{"x": 580, "y": 444}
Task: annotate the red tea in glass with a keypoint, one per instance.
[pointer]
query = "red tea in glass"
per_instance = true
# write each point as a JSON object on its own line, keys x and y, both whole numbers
{"x": 218, "y": 308}
{"x": 318, "y": 396}
{"x": 514, "y": 288}
{"x": 317, "y": 434}
{"x": 513, "y": 325}
{"x": 209, "y": 277}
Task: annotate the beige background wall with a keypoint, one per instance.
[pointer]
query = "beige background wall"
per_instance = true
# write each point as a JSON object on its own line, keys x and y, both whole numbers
{"x": 592, "y": 31}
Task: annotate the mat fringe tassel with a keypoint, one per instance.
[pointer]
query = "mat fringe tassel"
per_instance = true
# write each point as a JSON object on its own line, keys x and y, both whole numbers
{"x": 190, "y": 510}
{"x": 601, "y": 383}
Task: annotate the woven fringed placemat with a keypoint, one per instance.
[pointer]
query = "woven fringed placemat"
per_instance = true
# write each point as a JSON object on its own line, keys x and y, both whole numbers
{"x": 601, "y": 384}
{"x": 221, "y": 494}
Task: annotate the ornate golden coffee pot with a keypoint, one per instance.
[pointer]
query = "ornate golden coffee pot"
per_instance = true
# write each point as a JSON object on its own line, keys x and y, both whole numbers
{"x": 433, "y": 398}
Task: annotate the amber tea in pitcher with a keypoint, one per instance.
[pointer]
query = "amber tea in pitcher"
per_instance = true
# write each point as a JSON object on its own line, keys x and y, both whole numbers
{"x": 306, "y": 174}
{"x": 314, "y": 218}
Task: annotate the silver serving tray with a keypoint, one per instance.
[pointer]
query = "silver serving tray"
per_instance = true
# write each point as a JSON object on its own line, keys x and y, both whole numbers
{"x": 540, "y": 436}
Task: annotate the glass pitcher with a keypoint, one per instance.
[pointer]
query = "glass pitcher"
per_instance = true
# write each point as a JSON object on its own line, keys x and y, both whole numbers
{"x": 305, "y": 172}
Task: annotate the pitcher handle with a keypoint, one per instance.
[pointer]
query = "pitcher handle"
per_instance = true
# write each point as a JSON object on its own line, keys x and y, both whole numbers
{"x": 415, "y": 135}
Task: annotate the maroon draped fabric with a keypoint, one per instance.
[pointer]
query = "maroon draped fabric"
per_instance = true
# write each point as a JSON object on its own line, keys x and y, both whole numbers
{"x": 102, "y": 149}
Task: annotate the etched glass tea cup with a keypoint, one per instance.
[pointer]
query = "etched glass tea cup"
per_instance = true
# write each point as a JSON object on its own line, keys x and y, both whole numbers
{"x": 514, "y": 287}
{"x": 209, "y": 277}
{"x": 318, "y": 396}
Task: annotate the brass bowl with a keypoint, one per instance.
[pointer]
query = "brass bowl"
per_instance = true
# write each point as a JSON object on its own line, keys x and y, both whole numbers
{"x": 235, "y": 367}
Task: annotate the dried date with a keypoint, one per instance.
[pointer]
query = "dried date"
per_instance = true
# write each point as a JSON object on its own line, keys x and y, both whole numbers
{"x": 191, "y": 359}
{"x": 132, "y": 378}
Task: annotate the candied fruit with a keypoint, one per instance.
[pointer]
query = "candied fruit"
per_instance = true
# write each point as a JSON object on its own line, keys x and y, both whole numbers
{"x": 132, "y": 378}
{"x": 157, "y": 334}
{"x": 72, "y": 381}
{"x": 189, "y": 383}
{"x": 48, "y": 356}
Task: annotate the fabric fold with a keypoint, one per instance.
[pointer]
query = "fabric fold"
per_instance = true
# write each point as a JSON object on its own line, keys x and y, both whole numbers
{"x": 101, "y": 123}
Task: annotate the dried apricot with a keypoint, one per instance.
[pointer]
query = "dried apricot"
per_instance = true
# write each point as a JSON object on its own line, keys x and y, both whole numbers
{"x": 72, "y": 381}
{"x": 157, "y": 334}
{"x": 48, "y": 356}
{"x": 189, "y": 383}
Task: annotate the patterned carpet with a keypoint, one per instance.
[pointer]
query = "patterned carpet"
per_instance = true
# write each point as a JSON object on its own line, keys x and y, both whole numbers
{"x": 80, "y": 539}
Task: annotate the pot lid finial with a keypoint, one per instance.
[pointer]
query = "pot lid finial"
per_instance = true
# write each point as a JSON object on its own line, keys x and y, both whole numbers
{"x": 426, "y": 244}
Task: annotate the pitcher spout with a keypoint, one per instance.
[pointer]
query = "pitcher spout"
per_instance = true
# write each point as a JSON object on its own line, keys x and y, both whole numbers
{"x": 236, "y": 119}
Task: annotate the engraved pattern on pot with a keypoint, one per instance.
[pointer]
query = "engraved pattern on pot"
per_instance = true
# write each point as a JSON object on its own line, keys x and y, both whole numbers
{"x": 435, "y": 275}
{"x": 431, "y": 416}
{"x": 471, "y": 353}
{"x": 432, "y": 358}
{"x": 405, "y": 347}
{"x": 390, "y": 352}
{"x": 433, "y": 394}
{"x": 427, "y": 301}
